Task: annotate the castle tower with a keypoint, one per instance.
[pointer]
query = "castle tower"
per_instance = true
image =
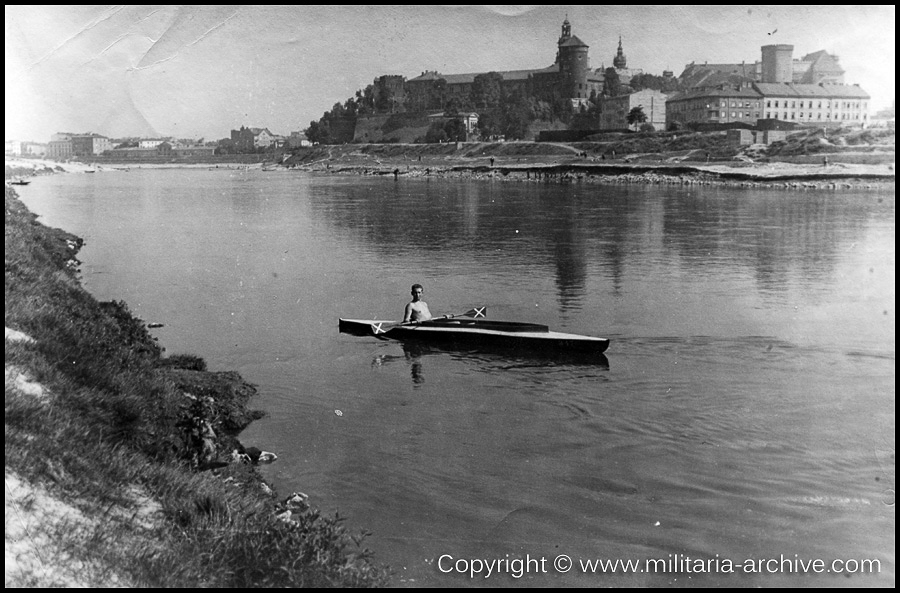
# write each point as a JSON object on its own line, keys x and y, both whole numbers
{"x": 572, "y": 57}
{"x": 777, "y": 63}
{"x": 619, "y": 60}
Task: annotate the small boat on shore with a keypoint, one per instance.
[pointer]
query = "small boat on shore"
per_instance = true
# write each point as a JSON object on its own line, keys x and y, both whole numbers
{"x": 19, "y": 182}
{"x": 478, "y": 332}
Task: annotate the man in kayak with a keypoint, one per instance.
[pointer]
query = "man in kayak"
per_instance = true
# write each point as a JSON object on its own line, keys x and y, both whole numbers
{"x": 417, "y": 309}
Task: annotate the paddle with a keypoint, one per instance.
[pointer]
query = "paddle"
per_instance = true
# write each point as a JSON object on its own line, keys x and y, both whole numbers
{"x": 384, "y": 327}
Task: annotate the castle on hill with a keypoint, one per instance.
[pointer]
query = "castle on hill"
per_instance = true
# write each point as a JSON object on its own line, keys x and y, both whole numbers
{"x": 806, "y": 91}
{"x": 569, "y": 77}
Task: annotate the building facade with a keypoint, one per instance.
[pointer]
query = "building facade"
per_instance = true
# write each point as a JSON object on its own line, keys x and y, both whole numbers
{"x": 721, "y": 97}
{"x": 252, "y": 138}
{"x": 614, "y": 110}
{"x": 60, "y": 149}
{"x": 724, "y": 104}
{"x": 90, "y": 144}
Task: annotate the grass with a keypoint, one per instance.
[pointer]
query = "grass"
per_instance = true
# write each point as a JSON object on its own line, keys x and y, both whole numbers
{"x": 114, "y": 424}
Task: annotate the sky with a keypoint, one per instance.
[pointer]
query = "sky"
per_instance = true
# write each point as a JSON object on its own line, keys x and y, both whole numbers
{"x": 199, "y": 71}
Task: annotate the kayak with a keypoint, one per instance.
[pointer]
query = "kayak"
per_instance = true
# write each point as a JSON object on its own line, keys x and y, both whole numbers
{"x": 479, "y": 332}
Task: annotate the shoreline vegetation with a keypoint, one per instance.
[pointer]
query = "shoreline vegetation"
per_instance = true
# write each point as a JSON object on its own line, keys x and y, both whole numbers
{"x": 123, "y": 466}
{"x": 806, "y": 159}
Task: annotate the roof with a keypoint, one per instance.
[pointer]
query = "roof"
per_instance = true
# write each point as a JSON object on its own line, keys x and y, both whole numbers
{"x": 469, "y": 78}
{"x": 506, "y": 74}
{"x": 573, "y": 41}
{"x": 727, "y": 91}
{"x": 825, "y": 91}
{"x": 823, "y": 61}
{"x": 426, "y": 76}
{"x": 696, "y": 75}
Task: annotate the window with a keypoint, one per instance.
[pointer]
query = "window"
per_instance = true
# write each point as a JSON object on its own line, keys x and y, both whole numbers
{"x": 776, "y": 103}
{"x": 723, "y": 115}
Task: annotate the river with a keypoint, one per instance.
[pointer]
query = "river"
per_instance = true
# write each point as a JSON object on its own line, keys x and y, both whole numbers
{"x": 744, "y": 412}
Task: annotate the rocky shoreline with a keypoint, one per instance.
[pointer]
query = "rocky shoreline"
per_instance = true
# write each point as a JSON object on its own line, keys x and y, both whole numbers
{"x": 770, "y": 176}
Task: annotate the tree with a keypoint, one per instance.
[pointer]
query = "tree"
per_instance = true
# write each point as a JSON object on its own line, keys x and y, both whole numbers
{"x": 437, "y": 94}
{"x": 487, "y": 90}
{"x": 436, "y": 133}
{"x": 636, "y": 116}
{"x": 611, "y": 84}
{"x": 455, "y": 106}
{"x": 317, "y": 132}
{"x": 651, "y": 81}
{"x": 455, "y": 130}
{"x": 489, "y": 125}
{"x": 517, "y": 115}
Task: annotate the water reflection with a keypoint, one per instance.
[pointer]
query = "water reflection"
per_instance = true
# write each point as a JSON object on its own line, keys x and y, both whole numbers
{"x": 573, "y": 231}
{"x": 415, "y": 354}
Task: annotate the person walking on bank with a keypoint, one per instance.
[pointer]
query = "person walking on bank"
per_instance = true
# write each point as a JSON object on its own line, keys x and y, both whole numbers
{"x": 416, "y": 309}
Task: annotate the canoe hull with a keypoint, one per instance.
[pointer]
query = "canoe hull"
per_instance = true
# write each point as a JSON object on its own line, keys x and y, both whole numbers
{"x": 481, "y": 333}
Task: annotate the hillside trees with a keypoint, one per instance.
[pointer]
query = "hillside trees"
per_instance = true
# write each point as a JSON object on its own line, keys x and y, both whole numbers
{"x": 487, "y": 90}
{"x": 318, "y": 132}
{"x": 612, "y": 87}
{"x": 654, "y": 82}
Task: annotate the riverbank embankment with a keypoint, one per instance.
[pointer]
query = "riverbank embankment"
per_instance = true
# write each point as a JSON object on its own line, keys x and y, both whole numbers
{"x": 124, "y": 465}
{"x": 838, "y": 176}
{"x": 601, "y": 164}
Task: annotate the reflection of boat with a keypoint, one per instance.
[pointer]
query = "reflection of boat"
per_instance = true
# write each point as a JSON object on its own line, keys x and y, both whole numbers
{"x": 480, "y": 333}
{"x": 505, "y": 357}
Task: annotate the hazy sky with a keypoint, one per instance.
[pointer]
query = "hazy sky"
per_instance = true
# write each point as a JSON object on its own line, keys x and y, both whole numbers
{"x": 199, "y": 71}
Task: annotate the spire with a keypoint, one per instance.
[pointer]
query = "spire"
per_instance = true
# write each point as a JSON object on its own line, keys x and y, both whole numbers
{"x": 619, "y": 60}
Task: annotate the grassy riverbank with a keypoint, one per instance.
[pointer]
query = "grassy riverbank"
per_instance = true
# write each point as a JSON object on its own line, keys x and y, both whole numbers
{"x": 112, "y": 476}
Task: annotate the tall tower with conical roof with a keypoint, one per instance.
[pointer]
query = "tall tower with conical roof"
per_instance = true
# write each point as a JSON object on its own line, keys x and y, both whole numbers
{"x": 572, "y": 58}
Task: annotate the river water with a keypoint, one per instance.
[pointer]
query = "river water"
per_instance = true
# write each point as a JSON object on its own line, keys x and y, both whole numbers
{"x": 744, "y": 412}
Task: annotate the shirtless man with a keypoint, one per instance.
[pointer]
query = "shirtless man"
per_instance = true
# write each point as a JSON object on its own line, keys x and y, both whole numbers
{"x": 417, "y": 309}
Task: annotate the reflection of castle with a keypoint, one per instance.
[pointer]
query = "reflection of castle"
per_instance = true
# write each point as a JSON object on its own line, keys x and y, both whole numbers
{"x": 569, "y": 77}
